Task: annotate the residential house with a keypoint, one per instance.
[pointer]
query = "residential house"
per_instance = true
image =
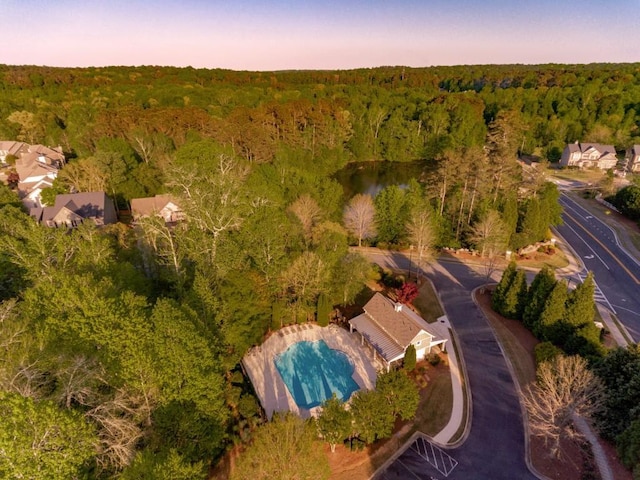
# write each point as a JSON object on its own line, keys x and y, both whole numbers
{"x": 36, "y": 165}
{"x": 72, "y": 209}
{"x": 633, "y": 159}
{"x": 589, "y": 155}
{"x": 163, "y": 206}
{"x": 390, "y": 327}
{"x": 13, "y": 148}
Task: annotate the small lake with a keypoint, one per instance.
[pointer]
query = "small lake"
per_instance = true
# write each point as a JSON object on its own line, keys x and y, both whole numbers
{"x": 371, "y": 177}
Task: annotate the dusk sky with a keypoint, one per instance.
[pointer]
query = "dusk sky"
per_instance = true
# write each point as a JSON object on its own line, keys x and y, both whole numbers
{"x": 322, "y": 34}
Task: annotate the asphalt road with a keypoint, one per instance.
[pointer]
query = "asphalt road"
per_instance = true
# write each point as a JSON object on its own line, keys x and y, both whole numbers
{"x": 495, "y": 446}
{"x": 617, "y": 274}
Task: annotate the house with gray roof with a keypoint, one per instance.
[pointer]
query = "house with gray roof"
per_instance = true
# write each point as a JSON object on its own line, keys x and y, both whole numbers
{"x": 589, "y": 155}
{"x": 390, "y": 327}
{"x": 72, "y": 209}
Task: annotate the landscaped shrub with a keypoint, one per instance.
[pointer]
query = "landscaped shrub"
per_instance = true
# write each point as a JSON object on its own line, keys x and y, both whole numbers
{"x": 390, "y": 280}
{"x": 545, "y": 352}
{"x": 410, "y": 358}
{"x": 433, "y": 359}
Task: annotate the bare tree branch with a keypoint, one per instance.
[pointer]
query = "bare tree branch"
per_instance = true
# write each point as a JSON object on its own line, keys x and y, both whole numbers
{"x": 565, "y": 387}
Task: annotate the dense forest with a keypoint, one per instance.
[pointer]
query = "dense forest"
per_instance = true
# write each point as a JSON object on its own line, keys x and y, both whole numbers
{"x": 126, "y": 341}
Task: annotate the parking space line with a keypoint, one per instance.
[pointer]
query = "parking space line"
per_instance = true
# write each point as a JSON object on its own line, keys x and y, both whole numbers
{"x": 435, "y": 456}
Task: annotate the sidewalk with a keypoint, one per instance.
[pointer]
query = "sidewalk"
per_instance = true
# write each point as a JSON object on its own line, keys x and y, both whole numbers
{"x": 458, "y": 406}
{"x": 617, "y": 330}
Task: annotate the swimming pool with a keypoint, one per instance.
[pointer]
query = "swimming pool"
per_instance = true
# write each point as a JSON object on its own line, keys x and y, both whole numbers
{"x": 313, "y": 372}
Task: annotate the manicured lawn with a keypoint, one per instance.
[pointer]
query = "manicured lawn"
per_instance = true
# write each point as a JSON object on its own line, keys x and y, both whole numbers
{"x": 436, "y": 400}
{"x": 428, "y": 303}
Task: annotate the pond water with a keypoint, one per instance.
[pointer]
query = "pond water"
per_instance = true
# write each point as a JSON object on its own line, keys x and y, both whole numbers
{"x": 371, "y": 177}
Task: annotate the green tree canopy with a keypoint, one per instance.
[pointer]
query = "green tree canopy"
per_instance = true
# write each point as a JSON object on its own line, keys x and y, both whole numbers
{"x": 399, "y": 392}
{"x": 539, "y": 291}
{"x": 38, "y": 440}
{"x": 334, "y": 422}
{"x": 150, "y": 466}
{"x": 391, "y": 214}
{"x": 285, "y": 448}
{"x": 515, "y": 296}
{"x": 373, "y": 416}
{"x": 619, "y": 370}
{"x": 497, "y": 299}
{"x": 410, "y": 358}
{"x": 551, "y": 326}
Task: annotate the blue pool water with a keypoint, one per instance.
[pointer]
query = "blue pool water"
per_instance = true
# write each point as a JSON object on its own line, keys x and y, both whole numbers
{"x": 313, "y": 372}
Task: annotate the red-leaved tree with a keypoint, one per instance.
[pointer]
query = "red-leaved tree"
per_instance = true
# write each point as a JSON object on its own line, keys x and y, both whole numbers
{"x": 407, "y": 293}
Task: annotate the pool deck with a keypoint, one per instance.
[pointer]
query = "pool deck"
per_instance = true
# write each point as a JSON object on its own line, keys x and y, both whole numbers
{"x": 273, "y": 393}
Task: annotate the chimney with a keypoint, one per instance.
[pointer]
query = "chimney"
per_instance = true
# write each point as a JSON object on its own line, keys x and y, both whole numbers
{"x": 398, "y": 307}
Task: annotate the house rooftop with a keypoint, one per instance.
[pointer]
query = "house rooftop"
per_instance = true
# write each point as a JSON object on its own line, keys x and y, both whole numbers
{"x": 150, "y": 205}
{"x": 89, "y": 205}
{"x": 396, "y": 320}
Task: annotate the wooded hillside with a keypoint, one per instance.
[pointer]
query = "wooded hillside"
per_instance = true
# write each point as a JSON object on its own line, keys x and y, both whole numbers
{"x": 132, "y": 336}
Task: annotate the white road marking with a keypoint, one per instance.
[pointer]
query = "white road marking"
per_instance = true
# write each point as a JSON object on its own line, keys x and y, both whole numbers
{"x": 588, "y": 246}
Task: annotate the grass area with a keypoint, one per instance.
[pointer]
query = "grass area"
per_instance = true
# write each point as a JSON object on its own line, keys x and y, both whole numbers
{"x": 435, "y": 405}
{"x": 537, "y": 260}
{"x": 635, "y": 239}
{"x": 581, "y": 175}
{"x": 428, "y": 303}
{"x": 623, "y": 330}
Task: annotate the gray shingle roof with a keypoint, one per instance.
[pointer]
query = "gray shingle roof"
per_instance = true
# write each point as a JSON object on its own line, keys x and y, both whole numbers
{"x": 88, "y": 205}
{"x": 400, "y": 326}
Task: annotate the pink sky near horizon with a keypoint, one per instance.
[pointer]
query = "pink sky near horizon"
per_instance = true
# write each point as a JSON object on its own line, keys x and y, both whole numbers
{"x": 283, "y": 34}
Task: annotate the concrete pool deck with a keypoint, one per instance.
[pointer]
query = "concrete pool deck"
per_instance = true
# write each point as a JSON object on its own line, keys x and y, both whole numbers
{"x": 274, "y": 395}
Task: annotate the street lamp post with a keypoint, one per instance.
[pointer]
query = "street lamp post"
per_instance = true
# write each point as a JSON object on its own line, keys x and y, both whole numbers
{"x": 410, "y": 260}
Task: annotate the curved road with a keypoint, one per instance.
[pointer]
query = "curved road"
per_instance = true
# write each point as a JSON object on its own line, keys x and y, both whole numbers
{"x": 495, "y": 446}
{"x": 617, "y": 274}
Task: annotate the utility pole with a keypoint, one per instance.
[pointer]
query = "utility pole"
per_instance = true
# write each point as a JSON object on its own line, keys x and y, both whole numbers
{"x": 410, "y": 260}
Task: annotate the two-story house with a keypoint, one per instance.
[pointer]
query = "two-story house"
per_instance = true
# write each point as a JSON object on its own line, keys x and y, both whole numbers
{"x": 589, "y": 155}
{"x": 163, "y": 206}
{"x": 72, "y": 209}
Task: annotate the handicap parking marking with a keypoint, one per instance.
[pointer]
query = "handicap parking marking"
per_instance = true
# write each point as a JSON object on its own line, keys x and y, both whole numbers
{"x": 437, "y": 458}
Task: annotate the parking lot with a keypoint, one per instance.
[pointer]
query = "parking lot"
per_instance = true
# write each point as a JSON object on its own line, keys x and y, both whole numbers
{"x": 423, "y": 460}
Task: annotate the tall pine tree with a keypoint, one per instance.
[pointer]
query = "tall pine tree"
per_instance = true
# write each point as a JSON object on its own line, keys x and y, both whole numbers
{"x": 584, "y": 339}
{"x": 580, "y": 303}
{"x": 515, "y": 297}
{"x": 539, "y": 291}
{"x": 323, "y": 310}
{"x": 497, "y": 299}
{"x": 551, "y": 326}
